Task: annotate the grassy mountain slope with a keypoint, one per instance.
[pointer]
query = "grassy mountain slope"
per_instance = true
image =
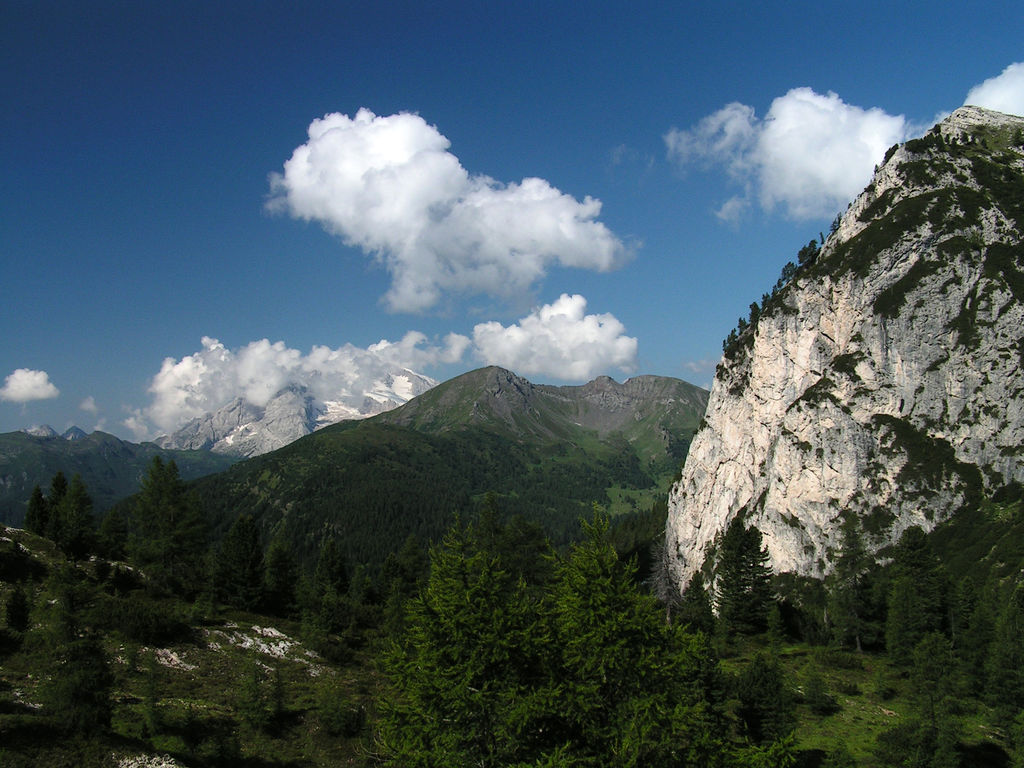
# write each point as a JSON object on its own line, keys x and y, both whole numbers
{"x": 111, "y": 468}
{"x": 545, "y": 452}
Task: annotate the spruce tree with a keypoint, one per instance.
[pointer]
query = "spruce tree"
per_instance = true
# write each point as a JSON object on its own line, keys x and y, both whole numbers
{"x": 917, "y": 597}
{"x": 280, "y": 577}
{"x": 37, "y": 514}
{"x": 744, "y": 580}
{"x": 1005, "y": 664}
{"x": 462, "y": 673}
{"x": 58, "y": 489}
{"x": 169, "y": 540}
{"x": 850, "y": 605}
{"x": 77, "y": 526}
{"x": 239, "y": 574}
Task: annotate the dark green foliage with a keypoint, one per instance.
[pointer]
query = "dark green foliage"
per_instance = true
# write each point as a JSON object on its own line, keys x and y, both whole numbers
{"x": 917, "y": 598}
{"x": 930, "y": 738}
{"x": 139, "y": 618}
{"x": 239, "y": 573}
{"x": 37, "y": 515}
{"x": 765, "y": 706}
{"x": 808, "y": 253}
{"x": 744, "y": 591}
{"x": 253, "y": 699}
{"x": 58, "y": 489}
{"x": 169, "y": 535}
{"x": 338, "y": 714}
{"x": 112, "y": 541}
{"x": 582, "y": 671}
{"x": 852, "y": 610}
{"x": 17, "y": 609}
{"x": 75, "y": 526}
{"x": 280, "y": 578}
{"x": 331, "y": 573}
{"x": 462, "y": 673}
{"x": 1005, "y": 665}
{"x": 817, "y": 697}
{"x": 77, "y": 694}
{"x": 695, "y": 610}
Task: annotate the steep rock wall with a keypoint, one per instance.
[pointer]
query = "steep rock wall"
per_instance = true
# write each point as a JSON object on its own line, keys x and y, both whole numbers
{"x": 884, "y": 380}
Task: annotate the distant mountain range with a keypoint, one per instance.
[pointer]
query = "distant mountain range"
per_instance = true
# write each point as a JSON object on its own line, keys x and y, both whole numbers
{"x": 111, "y": 468}
{"x": 243, "y": 429}
{"x": 545, "y": 452}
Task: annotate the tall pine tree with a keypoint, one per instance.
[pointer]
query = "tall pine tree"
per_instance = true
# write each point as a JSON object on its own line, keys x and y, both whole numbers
{"x": 169, "y": 539}
{"x": 744, "y": 591}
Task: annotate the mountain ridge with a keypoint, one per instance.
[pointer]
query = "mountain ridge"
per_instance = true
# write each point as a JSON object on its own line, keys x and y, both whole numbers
{"x": 412, "y": 469}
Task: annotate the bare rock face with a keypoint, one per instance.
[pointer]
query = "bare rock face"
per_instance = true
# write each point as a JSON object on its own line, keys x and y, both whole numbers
{"x": 884, "y": 379}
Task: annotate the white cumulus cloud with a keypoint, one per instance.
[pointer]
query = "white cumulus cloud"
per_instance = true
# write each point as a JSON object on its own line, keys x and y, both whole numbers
{"x": 1003, "y": 93}
{"x": 212, "y": 377}
{"x": 558, "y": 340}
{"x": 89, "y": 405}
{"x": 389, "y": 186}
{"x": 25, "y": 385}
{"x": 810, "y": 155}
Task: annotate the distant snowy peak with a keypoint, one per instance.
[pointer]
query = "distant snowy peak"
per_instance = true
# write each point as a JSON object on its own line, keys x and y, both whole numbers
{"x": 45, "y": 430}
{"x": 243, "y": 429}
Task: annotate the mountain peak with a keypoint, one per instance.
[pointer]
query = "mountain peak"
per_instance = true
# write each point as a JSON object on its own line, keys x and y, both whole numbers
{"x": 883, "y": 379}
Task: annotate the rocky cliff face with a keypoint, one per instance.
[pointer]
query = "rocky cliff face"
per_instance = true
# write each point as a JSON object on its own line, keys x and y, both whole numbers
{"x": 884, "y": 379}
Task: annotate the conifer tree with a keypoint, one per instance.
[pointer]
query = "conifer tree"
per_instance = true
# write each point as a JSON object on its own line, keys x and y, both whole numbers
{"x": 744, "y": 580}
{"x": 169, "y": 540}
{"x": 461, "y": 674}
{"x": 1005, "y": 665}
{"x": 76, "y": 524}
{"x": 850, "y": 608}
{"x": 917, "y": 597}
{"x": 113, "y": 535}
{"x": 58, "y": 489}
{"x": 37, "y": 514}
{"x": 239, "y": 574}
{"x": 17, "y": 609}
{"x": 280, "y": 577}
{"x": 77, "y": 694}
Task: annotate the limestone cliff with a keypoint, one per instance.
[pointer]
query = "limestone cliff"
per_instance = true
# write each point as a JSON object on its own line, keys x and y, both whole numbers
{"x": 884, "y": 378}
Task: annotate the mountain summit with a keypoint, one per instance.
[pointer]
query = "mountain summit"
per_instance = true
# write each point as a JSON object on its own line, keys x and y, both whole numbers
{"x": 882, "y": 378}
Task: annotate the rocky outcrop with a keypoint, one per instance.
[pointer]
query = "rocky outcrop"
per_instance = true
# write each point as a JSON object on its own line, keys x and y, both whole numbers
{"x": 883, "y": 380}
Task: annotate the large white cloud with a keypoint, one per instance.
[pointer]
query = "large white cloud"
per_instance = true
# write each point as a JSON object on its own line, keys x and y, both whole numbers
{"x": 210, "y": 378}
{"x": 558, "y": 340}
{"x": 1003, "y": 93}
{"x": 25, "y": 385}
{"x": 810, "y": 155}
{"x": 389, "y": 186}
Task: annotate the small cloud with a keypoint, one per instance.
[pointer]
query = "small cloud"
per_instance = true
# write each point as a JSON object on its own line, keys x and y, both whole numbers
{"x": 389, "y": 186}
{"x": 25, "y": 385}
{"x": 810, "y": 155}
{"x": 558, "y": 340}
{"x": 701, "y": 372}
{"x": 1003, "y": 93}
{"x": 89, "y": 405}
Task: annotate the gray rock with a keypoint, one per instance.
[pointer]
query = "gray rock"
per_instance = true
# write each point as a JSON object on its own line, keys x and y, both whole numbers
{"x": 883, "y": 380}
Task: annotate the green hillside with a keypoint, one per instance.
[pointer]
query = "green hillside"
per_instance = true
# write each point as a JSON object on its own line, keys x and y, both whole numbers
{"x": 547, "y": 453}
{"x": 111, "y": 468}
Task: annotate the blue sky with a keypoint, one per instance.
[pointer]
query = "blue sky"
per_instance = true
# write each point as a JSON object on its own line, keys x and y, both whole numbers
{"x": 209, "y": 199}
